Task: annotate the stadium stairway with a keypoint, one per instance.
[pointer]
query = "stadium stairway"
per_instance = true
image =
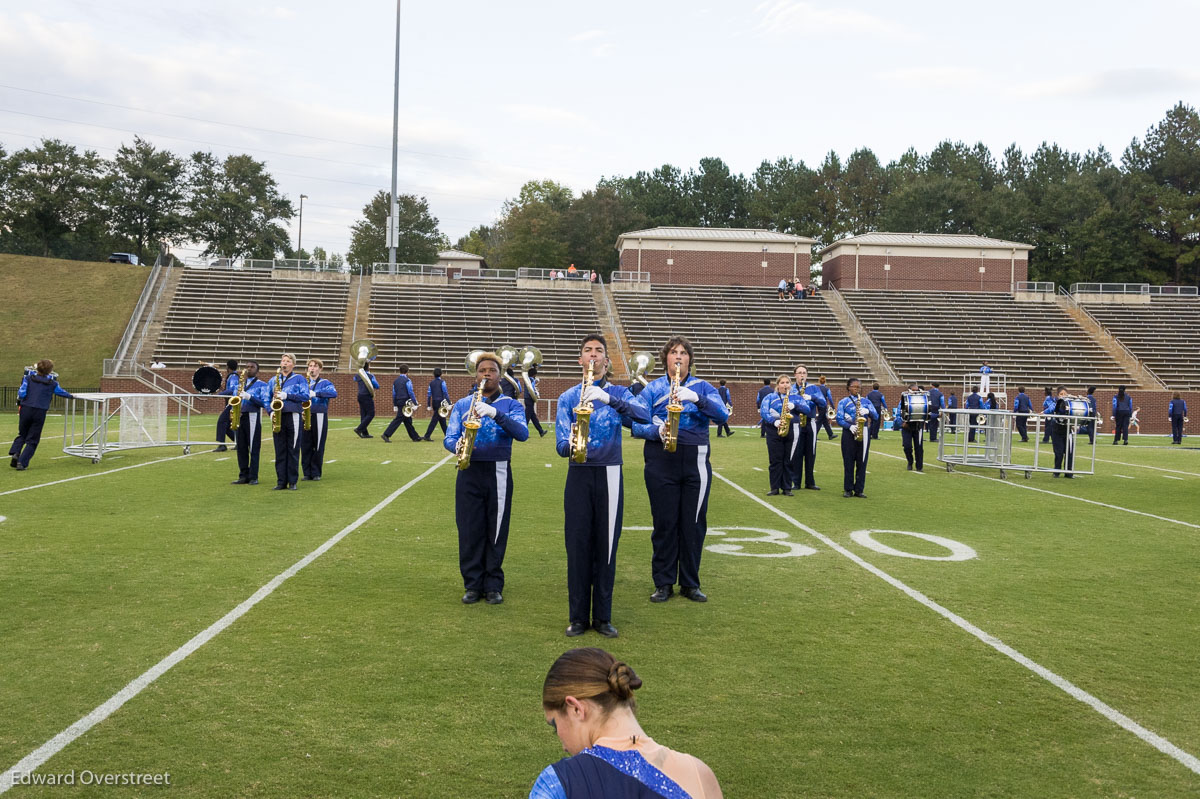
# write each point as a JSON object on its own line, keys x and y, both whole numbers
{"x": 1113, "y": 345}
{"x": 1162, "y": 333}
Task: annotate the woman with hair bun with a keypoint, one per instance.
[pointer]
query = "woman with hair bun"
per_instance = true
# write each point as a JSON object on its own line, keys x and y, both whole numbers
{"x": 588, "y": 701}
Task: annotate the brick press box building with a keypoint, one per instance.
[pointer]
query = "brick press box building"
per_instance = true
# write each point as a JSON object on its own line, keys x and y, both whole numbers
{"x": 924, "y": 261}
{"x": 715, "y": 256}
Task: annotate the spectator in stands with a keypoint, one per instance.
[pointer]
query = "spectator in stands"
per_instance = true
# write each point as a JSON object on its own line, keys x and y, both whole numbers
{"x": 595, "y": 277}
{"x": 1177, "y": 413}
{"x": 880, "y": 402}
{"x": 157, "y": 363}
{"x": 935, "y": 410}
{"x": 587, "y": 700}
{"x": 366, "y": 401}
{"x": 1090, "y": 427}
{"x": 799, "y": 292}
{"x": 38, "y": 388}
{"x": 783, "y": 284}
{"x": 1022, "y": 406}
{"x": 1047, "y": 408}
{"x": 985, "y": 378}
{"x": 763, "y": 393}
{"x": 437, "y": 399}
{"x": 553, "y": 275}
{"x": 1122, "y": 409}
{"x": 402, "y": 393}
{"x": 230, "y": 388}
{"x": 572, "y": 271}
{"x": 723, "y": 391}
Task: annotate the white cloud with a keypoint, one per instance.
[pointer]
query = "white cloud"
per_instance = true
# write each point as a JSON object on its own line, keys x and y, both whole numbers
{"x": 797, "y": 17}
{"x": 1114, "y": 84}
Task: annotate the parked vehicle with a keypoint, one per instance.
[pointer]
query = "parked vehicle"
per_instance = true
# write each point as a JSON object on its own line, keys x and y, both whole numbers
{"x": 123, "y": 258}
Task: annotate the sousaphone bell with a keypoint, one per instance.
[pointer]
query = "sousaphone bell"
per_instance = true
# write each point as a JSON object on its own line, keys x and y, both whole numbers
{"x": 361, "y": 352}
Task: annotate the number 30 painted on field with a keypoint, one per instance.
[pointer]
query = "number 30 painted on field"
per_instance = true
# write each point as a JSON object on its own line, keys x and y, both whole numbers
{"x": 775, "y": 537}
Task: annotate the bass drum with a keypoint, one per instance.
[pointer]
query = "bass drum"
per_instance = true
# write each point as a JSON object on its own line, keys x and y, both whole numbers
{"x": 1079, "y": 408}
{"x": 207, "y": 380}
{"x": 914, "y": 407}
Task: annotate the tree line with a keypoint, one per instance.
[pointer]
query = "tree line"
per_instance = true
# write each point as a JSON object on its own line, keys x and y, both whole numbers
{"x": 1089, "y": 217}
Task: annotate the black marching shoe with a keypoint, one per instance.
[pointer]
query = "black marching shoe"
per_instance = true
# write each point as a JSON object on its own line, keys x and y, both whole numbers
{"x": 21, "y": 467}
{"x": 812, "y": 488}
{"x": 910, "y": 467}
{"x": 279, "y": 487}
{"x": 662, "y": 593}
{"x": 12, "y": 462}
{"x": 694, "y": 594}
{"x": 860, "y": 495}
{"x": 253, "y": 482}
{"x": 494, "y": 598}
{"x": 306, "y": 477}
{"x": 241, "y": 481}
{"x": 292, "y": 487}
{"x": 847, "y": 494}
{"x": 221, "y": 448}
{"x": 385, "y": 439}
{"x": 772, "y": 493}
{"x": 787, "y": 493}
{"x": 576, "y": 628}
{"x": 471, "y": 597}
{"x": 605, "y": 628}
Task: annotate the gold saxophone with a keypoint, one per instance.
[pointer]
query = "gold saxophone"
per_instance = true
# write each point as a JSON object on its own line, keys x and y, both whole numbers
{"x": 670, "y": 435}
{"x": 803, "y": 420}
{"x": 471, "y": 425}
{"x": 307, "y": 407}
{"x": 235, "y": 403}
{"x": 859, "y": 419}
{"x": 583, "y": 418}
{"x": 277, "y": 405}
{"x": 785, "y": 417}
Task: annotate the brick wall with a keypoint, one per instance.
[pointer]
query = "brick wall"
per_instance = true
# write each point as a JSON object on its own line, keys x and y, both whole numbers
{"x": 922, "y": 273}
{"x": 704, "y": 268}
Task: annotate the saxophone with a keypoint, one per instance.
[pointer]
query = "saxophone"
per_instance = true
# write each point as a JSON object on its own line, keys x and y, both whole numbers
{"x": 583, "y": 418}
{"x": 307, "y": 407}
{"x": 803, "y": 420}
{"x": 277, "y": 405}
{"x": 235, "y": 403}
{"x": 471, "y": 425}
{"x": 670, "y": 435}
{"x": 785, "y": 417}
{"x": 859, "y": 419}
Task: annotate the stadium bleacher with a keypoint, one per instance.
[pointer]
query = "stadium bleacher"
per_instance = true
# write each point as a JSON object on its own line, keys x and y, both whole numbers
{"x": 941, "y": 335}
{"x": 741, "y": 332}
{"x": 219, "y": 314}
{"x": 1163, "y": 333}
{"x": 428, "y": 326}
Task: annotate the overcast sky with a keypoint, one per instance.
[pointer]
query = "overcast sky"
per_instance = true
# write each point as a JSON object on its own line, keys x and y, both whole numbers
{"x": 493, "y": 94}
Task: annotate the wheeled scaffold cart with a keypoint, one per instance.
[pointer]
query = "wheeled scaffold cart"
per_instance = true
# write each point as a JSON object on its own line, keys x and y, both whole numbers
{"x": 96, "y": 424}
{"x": 992, "y": 447}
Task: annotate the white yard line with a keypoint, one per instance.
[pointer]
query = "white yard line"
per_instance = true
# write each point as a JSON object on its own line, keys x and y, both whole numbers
{"x": 97, "y": 474}
{"x": 1112, "y": 714}
{"x": 1133, "y": 465}
{"x": 1170, "y": 477}
{"x": 1124, "y": 476}
{"x": 36, "y": 758}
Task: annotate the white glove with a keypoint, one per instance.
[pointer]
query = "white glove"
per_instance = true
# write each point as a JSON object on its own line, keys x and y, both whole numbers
{"x": 395, "y": 409}
{"x": 662, "y": 431}
{"x": 595, "y": 394}
{"x": 685, "y": 394}
{"x": 312, "y": 395}
{"x": 778, "y": 423}
{"x": 853, "y": 429}
{"x": 245, "y": 395}
{"x": 483, "y": 409}
{"x": 791, "y": 405}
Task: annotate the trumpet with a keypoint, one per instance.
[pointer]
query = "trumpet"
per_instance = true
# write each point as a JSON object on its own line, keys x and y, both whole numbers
{"x": 888, "y": 416}
{"x": 471, "y": 425}
{"x": 583, "y": 418}
{"x": 444, "y": 409}
{"x": 785, "y": 417}
{"x": 831, "y": 413}
{"x": 409, "y": 408}
{"x": 235, "y": 403}
{"x": 670, "y": 434}
{"x": 277, "y": 406}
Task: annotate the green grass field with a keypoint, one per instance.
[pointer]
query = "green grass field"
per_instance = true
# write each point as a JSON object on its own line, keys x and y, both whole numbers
{"x": 804, "y": 675}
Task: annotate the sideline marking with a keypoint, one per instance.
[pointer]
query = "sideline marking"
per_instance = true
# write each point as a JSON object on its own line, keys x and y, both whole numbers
{"x": 36, "y": 758}
{"x": 1112, "y": 714}
{"x": 97, "y": 474}
{"x": 1124, "y": 477}
{"x": 1057, "y": 494}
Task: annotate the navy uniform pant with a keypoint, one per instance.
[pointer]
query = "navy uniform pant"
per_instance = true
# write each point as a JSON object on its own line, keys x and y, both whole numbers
{"x": 531, "y": 417}
{"x": 875, "y": 425}
{"x": 482, "y": 506}
{"x": 1064, "y": 448}
{"x": 593, "y": 504}
{"x": 933, "y": 428}
{"x": 1122, "y": 426}
{"x": 854, "y": 461}
{"x": 912, "y": 437}
{"x": 401, "y": 419}
{"x": 1022, "y": 423}
{"x": 29, "y": 434}
{"x": 1177, "y": 428}
{"x": 804, "y": 455}
{"x": 223, "y": 431}
{"x": 249, "y": 442}
{"x": 779, "y": 454}
{"x": 312, "y": 446}
{"x": 433, "y": 423}
{"x": 287, "y": 449}
{"x": 678, "y": 484}
{"x": 366, "y": 412}
{"x": 823, "y": 422}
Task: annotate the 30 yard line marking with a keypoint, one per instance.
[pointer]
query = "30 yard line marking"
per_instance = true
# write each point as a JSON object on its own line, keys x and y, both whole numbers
{"x": 95, "y": 474}
{"x": 36, "y": 758}
{"x": 1112, "y": 714}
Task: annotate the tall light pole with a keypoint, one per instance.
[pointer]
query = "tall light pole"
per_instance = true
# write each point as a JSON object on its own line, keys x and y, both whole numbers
{"x": 300, "y": 233}
{"x": 392, "y": 210}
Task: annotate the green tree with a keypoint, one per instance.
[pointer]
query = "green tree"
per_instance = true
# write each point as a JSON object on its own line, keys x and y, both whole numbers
{"x": 419, "y": 238}
{"x": 593, "y": 223}
{"x": 718, "y": 196}
{"x": 486, "y": 241}
{"x": 534, "y": 226}
{"x": 782, "y": 196}
{"x": 663, "y": 196}
{"x": 235, "y": 207}
{"x": 144, "y": 193}
{"x": 51, "y": 201}
{"x": 863, "y": 191}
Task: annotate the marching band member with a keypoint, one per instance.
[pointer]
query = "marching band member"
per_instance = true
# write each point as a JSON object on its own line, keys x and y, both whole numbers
{"x": 530, "y": 400}
{"x": 402, "y": 392}
{"x": 854, "y": 452}
{"x": 723, "y": 392}
{"x": 312, "y": 441}
{"x": 1176, "y": 411}
{"x": 1122, "y": 408}
{"x": 1022, "y": 406}
{"x": 38, "y": 388}
{"x": 935, "y": 407}
{"x": 1047, "y": 408}
{"x": 509, "y": 385}
{"x": 678, "y": 482}
{"x": 1090, "y": 427}
{"x": 255, "y": 396}
{"x": 292, "y": 388}
{"x": 366, "y": 402}
{"x": 828, "y": 402}
{"x": 912, "y": 434}
{"x": 435, "y": 394}
{"x": 951, "y": 404}
{"x": 813, "y": 404}
{"x": 880, "y": 402}
{"x": 985, "y": 378}
{"x": 1061, "y": 436}
{"x": 763, "y": 393}
{"x": 230, "y": 388}
{"x": 594, "y": 497}
{"x": 483, "y": 491}
{"x": 779, "y": 448}
{"x": 974, "y": 403}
